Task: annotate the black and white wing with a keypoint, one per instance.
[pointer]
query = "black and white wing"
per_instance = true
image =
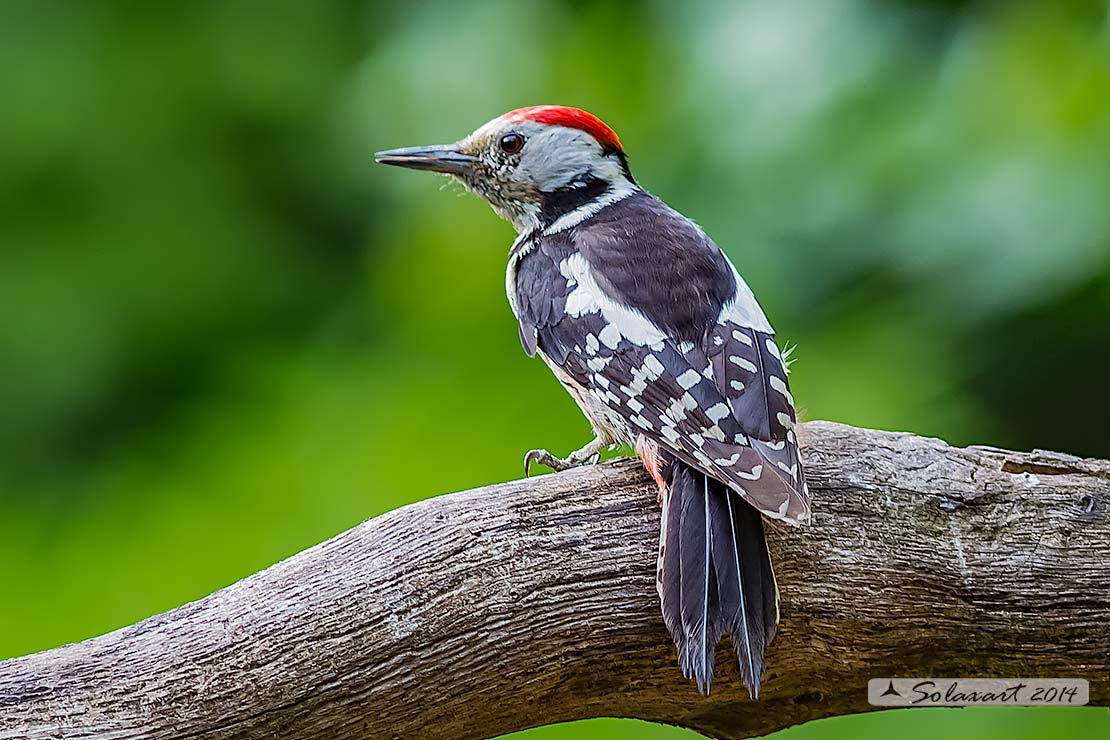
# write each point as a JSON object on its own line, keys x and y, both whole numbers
{"x": 642, "y": 311}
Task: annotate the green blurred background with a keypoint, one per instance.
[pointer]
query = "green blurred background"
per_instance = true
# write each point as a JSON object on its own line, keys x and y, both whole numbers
{"x": 226, "y": 335}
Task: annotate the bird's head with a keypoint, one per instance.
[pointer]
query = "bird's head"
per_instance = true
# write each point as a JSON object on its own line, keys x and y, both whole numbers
{"x": 532, "y": 164}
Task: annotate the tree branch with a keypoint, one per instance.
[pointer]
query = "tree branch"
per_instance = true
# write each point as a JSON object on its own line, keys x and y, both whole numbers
{"x": 533, "y": 602}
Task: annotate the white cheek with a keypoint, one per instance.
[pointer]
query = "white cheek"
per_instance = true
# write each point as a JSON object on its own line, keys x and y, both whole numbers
{"x": 555, "y": 157}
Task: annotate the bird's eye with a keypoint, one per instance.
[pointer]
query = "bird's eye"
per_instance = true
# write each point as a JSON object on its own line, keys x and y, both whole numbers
{"x": 511, "y": 143}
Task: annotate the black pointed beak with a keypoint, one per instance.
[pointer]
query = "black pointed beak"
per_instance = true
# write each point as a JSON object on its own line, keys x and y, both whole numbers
{"x": 446, "y": 158}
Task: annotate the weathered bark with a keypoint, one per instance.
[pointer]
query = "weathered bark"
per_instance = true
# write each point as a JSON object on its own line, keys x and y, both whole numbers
{"x": 533, "y": 602}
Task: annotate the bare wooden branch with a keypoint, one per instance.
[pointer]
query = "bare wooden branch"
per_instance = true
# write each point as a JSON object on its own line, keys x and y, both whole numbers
{"x": 533, "y": 602}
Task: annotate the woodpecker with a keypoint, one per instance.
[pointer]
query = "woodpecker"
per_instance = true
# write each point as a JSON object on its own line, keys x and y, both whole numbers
{"x": 651, "y": 329}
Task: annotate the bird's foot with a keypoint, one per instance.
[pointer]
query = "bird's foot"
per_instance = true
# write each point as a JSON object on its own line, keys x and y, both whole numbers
{"x": 545, "y": 458}
{"x": 587, "y": 455}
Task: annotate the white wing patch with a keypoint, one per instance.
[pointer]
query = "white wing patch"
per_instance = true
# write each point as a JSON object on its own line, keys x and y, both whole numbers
{"x": 742, "y": 362}
{"x": 610, "y": 336}
{"x": 622, "y": 322}
{"x": 689, "y": 379}
{"x": 718, "y": 412}
{"x": 779, "y": 385}
{"x": 743, "y": 309}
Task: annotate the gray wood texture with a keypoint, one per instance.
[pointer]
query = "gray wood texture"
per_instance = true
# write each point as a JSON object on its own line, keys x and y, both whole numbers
{"x": 533, "y": 602}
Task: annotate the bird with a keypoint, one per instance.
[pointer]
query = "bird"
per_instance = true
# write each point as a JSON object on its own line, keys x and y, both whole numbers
{"x": 651, "y": 329}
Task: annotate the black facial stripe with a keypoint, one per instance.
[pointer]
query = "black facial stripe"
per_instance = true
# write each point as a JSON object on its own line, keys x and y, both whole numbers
{"x": 624, "y": 164}
{"x": 564, "y": 200}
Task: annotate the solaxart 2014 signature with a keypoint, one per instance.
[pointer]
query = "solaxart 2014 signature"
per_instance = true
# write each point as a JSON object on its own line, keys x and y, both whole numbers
{"x": 960, "y": 692}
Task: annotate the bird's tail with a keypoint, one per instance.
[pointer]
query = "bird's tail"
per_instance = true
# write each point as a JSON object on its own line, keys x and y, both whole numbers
{"x": 714, "y": 576}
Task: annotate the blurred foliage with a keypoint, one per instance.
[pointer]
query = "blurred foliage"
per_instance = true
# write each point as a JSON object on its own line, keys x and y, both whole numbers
{"x": 226, "y": 335}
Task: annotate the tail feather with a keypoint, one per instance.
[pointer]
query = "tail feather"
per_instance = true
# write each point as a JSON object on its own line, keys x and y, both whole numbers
{"x": 745, "y": 581}
{"x": 715, "y": 576}
{"x": 695, "y": 574}
{"x": 667, "y": 579}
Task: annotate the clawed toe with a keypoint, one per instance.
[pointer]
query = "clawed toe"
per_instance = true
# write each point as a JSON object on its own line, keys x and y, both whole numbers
{"x": 588, "y": 455}
{"x": 545, "y": 458}
{"x": 542, "y": 457}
